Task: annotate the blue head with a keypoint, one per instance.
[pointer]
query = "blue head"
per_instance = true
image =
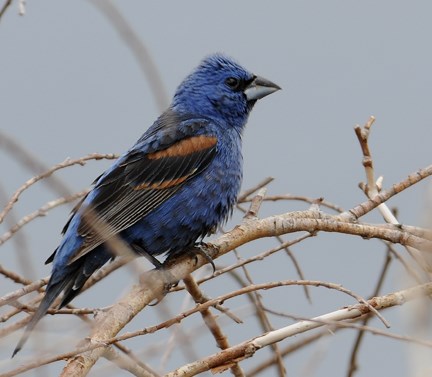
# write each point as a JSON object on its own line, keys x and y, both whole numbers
{"x": 223, "y": 90}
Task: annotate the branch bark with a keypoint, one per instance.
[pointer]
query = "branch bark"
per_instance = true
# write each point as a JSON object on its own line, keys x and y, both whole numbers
{"x": 154, "y": 282}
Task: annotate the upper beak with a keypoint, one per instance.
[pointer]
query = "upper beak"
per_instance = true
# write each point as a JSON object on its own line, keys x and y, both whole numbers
{"x": 259, "y": 88}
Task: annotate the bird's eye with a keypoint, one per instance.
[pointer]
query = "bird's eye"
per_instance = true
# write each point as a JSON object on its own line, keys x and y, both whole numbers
{"x": 232, "y": 82}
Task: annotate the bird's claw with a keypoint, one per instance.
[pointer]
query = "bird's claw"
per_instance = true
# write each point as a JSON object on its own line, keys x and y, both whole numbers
{"x": 202, "y": 249}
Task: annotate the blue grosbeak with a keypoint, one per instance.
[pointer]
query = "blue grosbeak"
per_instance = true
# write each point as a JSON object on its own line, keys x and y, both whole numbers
{"x": 175, "y": 185}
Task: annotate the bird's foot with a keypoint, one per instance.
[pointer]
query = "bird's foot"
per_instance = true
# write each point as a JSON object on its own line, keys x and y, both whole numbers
{"x": 203, "y": 248}
{"x": 167, "y": 276}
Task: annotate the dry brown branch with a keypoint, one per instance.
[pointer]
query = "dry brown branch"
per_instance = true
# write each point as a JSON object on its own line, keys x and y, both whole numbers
{"x": 243, "y": 197}
{"x": 263, "y": 319}
{"x": 353, "y": 364}
{"x": 137, "y": 47}
{"x": 256, "y": 203}
{"x": 210, "y": 320}
{"x": 383, "y": 196}
{"x": 115, "y": 319}
{"x": 32, "y": 163}
{"x": 6, "y": 330}
{"x": 68, "y": 162}
{"x": 372, "y": 189}
{"x": 5, "y": 6}
{"x": 95, "y": 347}
{"x": 240, "y": 263}
{"x": 128, "y": 364}
{"x": 135, "y": 359}
{"x": 249, "y": 230}
{"x": 39, "y": 213}
{"x": 349, "y": 324}
{"x": 296, "y": 264}
{"x": 21, "y": 246}
{"x": 248, "y": 348}
{"x": 30, "y": 287}
{"x": 111, "y": 320}
{"x": 13, "y": 276}
{"x": 323, "y": 203}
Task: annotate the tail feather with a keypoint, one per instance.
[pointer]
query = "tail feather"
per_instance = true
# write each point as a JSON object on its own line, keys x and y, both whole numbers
{"x": 88, "y": 264}
{"x": 69, "y": 280}
{"x": 70, "y": 292}
{"x": 51, "y": 294}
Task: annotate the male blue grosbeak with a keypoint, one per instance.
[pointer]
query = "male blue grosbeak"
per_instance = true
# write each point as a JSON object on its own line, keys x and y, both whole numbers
{"x": 176, "y": 184}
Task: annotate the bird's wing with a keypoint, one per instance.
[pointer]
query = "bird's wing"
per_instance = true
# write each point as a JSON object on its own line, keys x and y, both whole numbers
{"x": 137, "y": 185}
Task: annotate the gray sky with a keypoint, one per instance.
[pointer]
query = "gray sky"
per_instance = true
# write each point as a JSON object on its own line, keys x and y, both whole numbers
{"x": 69, "y": 86}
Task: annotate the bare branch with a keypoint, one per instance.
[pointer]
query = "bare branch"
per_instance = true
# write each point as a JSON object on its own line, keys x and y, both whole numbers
{"x": 385, "y": 195}
{"x": 39, "y": 213}
{"x": 5, "y": 6}
{"x": 137, "y": 47}
{"x": 68, "y": 162}
{"x": 210, "y": 321}
{"x": 360, "y": 336}
{"x": 248, "y": 348}
{"x": 243, "y": 197}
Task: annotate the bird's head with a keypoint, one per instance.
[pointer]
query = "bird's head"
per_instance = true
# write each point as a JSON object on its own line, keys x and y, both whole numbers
{"x": 221, "y": 89}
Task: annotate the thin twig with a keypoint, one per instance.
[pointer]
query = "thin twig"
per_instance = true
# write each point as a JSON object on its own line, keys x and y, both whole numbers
{"x": 5, "y": 6}
{"x": 364, "y": 208}
{"x": 32, "y": 163}
{"x": 243, "y": 197}
{"x": 248, "y": 348}
{"x": 263, "y": 319}
{"x": 210, "y": 321}
{"x": 296, "y": 264}
{"x": 21, "y": 245}
{"x": 324, "y": 203}
{"x": 353, "y": 365}
{"x": 39, "y": 213}
{"x": 255, "y": 204}
{"x": 242, "y": 262}
{"x": 372, "y": 189}
{"x": 129, "y": 364}
{"x": 31, "y": 287}
{"x": 138, "y": 49}
{"x": 396, "y": 298}
{"x": 12, "y": 275}
{"x": 68, "y": 162}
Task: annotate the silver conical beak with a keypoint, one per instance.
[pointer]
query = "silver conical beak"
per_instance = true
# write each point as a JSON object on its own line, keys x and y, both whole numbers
{"x": 259, "y": 88}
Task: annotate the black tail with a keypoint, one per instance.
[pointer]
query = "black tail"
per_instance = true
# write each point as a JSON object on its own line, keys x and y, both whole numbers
{"x": 52, "y": 292}
{"x": 69, "y": 281}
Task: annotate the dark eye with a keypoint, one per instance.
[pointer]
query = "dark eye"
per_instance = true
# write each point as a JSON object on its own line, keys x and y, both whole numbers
{"x": 232, "y": 82}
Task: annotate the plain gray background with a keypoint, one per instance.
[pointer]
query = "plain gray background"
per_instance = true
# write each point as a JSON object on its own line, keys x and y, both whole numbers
{"x": 69, "y": 86}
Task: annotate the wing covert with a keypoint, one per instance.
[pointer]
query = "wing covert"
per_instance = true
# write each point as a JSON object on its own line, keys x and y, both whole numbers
{"x": 138, "y": 185}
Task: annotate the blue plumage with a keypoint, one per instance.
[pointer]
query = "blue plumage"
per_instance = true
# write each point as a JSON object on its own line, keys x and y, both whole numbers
{"x": 175, "y": 185}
